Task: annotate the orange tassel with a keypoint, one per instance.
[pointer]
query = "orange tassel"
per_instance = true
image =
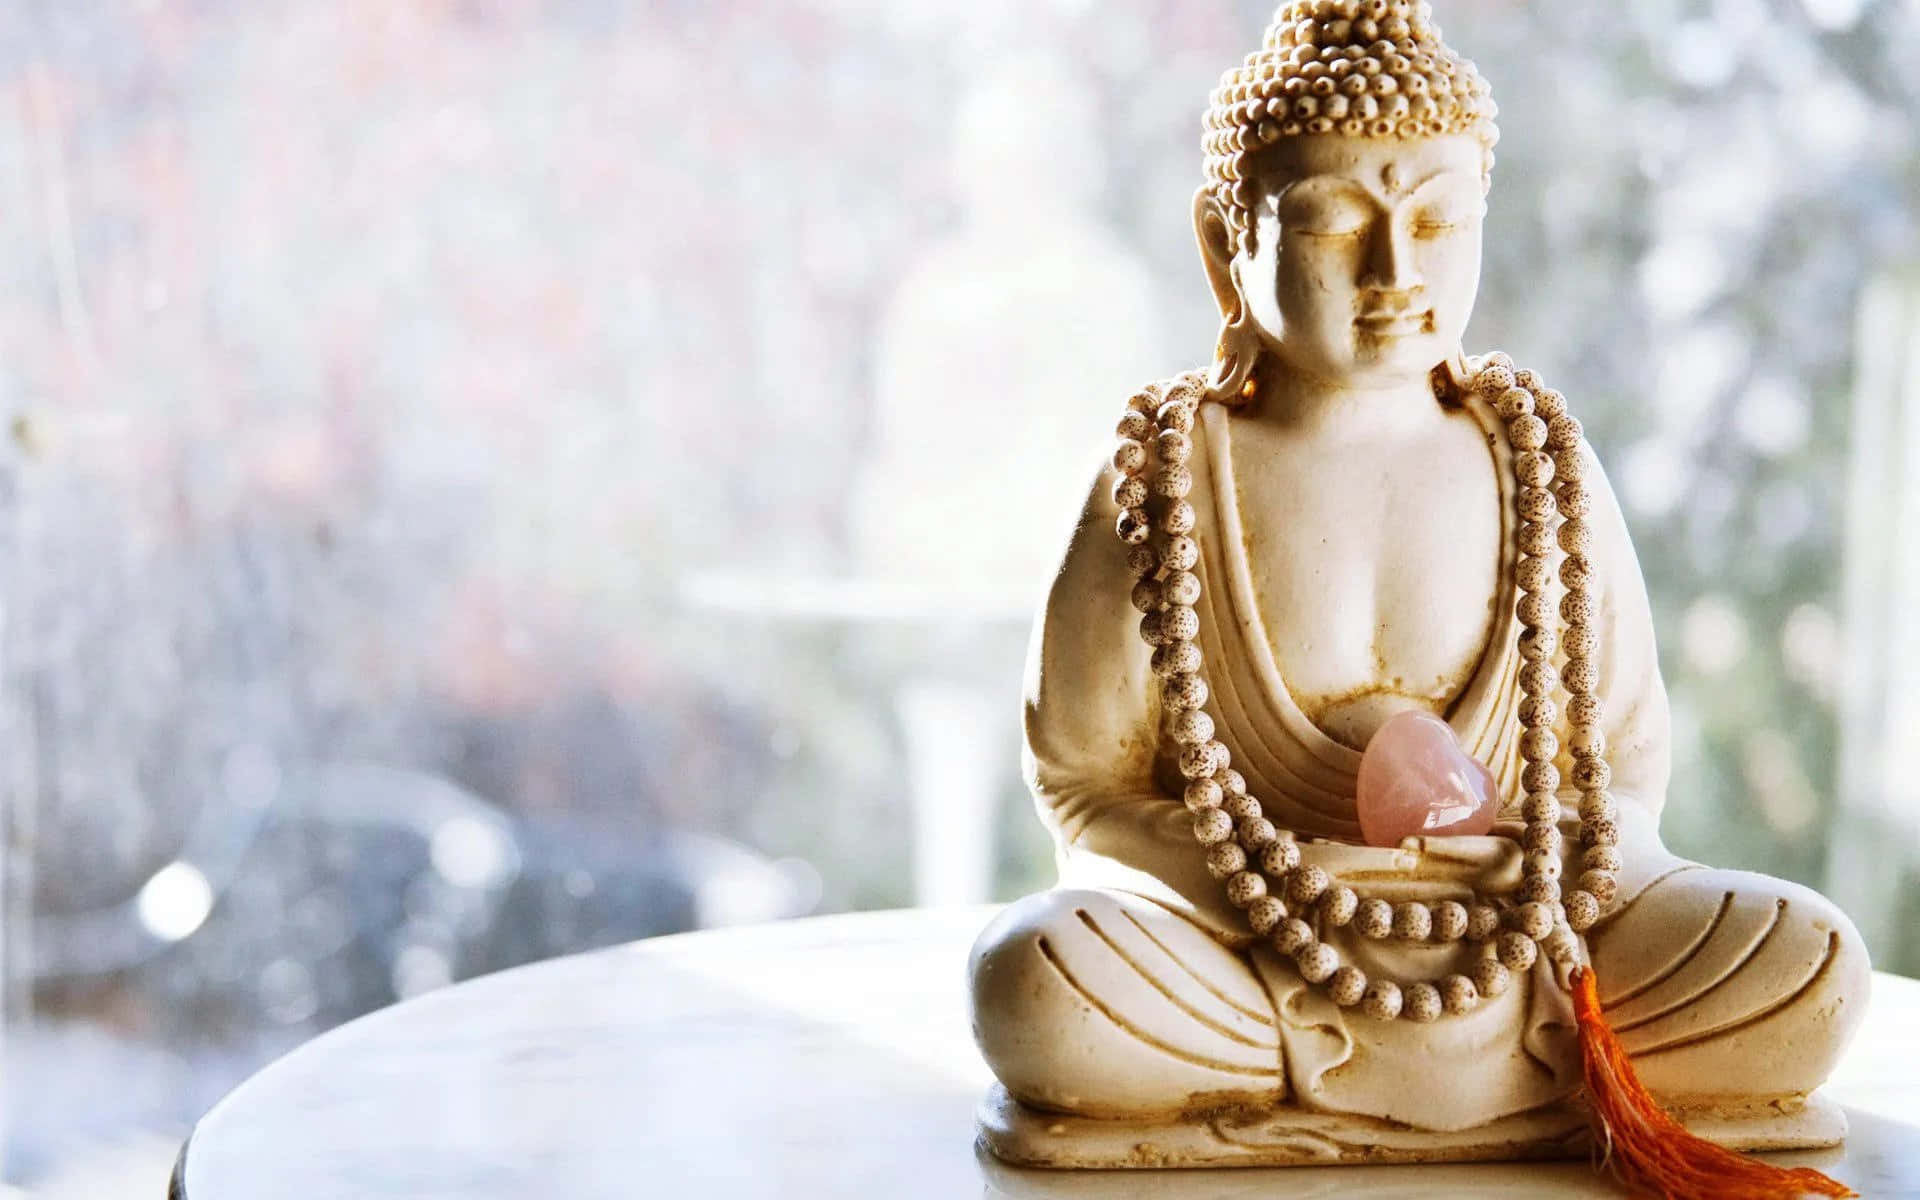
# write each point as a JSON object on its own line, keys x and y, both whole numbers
{"x": 1649, "y": 1150}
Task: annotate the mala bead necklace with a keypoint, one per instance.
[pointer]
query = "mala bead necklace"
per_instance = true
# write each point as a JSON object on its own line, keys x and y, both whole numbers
{"x": 1288, "y": 902}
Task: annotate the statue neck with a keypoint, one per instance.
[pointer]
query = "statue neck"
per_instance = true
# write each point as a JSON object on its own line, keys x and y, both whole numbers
{"x": 1299, "y": 402}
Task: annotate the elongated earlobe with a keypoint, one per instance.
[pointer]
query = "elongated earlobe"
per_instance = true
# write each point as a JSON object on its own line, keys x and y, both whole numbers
{"x": 1234, "y": 357}
{"x": 1238, "y": 348}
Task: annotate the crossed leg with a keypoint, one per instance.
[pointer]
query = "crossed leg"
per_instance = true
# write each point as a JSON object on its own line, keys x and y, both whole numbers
{"x": 1103, "y": 1004}
{"x": 1726, "y": 987}
{"x": 1729, "y": 985}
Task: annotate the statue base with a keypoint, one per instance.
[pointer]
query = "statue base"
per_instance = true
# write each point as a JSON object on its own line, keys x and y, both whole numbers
{"x": 1286, "y": 1137}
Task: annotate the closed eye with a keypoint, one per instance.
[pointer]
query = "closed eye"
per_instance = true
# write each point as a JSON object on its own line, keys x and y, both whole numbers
{"x": 1338, "y": 223}
{"x": 1323, "y": 209}
{"x": 1445, "y": 216}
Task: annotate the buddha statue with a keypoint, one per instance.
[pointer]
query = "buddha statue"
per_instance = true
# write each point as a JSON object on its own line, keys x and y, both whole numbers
{"x": 1347, "y": 526}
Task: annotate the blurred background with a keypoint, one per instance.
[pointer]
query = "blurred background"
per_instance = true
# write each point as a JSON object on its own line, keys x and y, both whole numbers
{"x": 485, "y": 479}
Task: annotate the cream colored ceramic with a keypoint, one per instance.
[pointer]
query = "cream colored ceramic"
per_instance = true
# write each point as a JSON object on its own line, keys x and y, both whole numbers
{"x": 1357, "y": 547}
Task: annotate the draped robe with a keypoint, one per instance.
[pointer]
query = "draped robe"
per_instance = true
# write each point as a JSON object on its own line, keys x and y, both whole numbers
{"x": 1137, "y": 988}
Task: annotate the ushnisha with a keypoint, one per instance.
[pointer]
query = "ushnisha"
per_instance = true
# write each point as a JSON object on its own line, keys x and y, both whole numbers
{"x": 1344, "y": 521}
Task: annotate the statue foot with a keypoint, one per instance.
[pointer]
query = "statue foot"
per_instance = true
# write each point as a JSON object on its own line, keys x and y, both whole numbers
{"x": 1286, "y": 1135}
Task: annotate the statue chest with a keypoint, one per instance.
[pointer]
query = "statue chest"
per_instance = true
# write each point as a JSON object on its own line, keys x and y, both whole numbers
{"x": 1375, "y": 566}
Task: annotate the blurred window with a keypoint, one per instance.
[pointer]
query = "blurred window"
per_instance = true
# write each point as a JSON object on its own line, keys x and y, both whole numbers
{"x": 495, "y": 479}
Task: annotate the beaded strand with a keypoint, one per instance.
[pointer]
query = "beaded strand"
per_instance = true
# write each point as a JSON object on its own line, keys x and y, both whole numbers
{"x": 1261, "y": 866}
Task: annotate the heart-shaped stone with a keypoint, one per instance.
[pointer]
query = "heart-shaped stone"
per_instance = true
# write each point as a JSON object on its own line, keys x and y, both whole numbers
{"x": 1416, "y": 781}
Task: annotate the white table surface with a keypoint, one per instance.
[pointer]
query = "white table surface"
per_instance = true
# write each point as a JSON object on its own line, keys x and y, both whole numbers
{"x": 828, "y": 1057}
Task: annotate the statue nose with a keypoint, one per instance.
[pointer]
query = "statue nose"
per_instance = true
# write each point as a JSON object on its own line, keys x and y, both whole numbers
{"x": 1390, "y": 266}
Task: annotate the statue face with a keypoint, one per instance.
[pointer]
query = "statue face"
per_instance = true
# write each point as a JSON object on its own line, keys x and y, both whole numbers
{"x": 1366, "y": 254}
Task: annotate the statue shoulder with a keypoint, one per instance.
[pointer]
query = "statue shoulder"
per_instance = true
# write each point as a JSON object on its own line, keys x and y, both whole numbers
{"x": 1139, "y": 420}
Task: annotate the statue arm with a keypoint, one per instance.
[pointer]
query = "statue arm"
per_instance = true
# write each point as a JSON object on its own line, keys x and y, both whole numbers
{"x": 1636, "y": 721}
{"x": 1091, "y": 719}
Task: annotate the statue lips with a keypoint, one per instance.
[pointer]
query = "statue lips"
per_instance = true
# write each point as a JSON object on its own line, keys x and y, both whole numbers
{"x": 1416, "y": 781}
{"x": 1396, "y": 324}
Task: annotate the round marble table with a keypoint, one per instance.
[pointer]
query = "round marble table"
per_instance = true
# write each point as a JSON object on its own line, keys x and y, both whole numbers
{"x": 827, "y": 1057}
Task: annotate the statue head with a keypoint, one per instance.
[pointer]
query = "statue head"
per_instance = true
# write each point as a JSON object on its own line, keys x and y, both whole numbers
{"x": 1348, "y": 163}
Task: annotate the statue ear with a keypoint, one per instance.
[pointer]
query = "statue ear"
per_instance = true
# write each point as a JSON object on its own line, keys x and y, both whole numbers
{"x": 1216, "y": 252}
{"x": 1239, "y": 346}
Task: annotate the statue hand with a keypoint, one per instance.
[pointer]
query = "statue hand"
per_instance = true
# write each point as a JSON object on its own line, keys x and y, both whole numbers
{"x": 1488, "y": 864}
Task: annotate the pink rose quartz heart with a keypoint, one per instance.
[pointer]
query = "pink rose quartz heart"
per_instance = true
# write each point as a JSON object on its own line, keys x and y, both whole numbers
{"x": 1416, "y": 781}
